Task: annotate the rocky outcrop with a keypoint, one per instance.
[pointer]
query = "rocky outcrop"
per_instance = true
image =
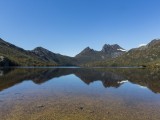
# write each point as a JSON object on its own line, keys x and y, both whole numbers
{"x": 113, "y": 50}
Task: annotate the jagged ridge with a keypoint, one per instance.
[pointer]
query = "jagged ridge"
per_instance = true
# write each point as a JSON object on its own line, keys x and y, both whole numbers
{"x": 107, "y": 52}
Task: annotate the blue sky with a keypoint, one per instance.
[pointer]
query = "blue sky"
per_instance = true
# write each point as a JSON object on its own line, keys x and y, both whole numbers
{"x": 68, "y": 26}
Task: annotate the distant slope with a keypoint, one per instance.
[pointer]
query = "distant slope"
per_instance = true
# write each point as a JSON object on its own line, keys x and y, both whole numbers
{"x": 142, "y": 56}
{"x": 107, "y": 52}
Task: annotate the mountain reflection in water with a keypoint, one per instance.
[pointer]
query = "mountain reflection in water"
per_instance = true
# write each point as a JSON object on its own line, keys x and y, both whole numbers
{"x": 110, "y": 77}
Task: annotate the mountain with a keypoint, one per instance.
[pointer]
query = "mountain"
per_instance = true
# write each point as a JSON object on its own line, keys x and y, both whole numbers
{"x": 107, "y": 52}
{"x": 110, "y": 55}
{"x": 49, "y": 56}
{"x": 14, "y": 55}
{"x": 113, "y": 50}
{"x": 11, "y": 55}
{"x": 40, "y": 56}
{"x": 141, "y": 56}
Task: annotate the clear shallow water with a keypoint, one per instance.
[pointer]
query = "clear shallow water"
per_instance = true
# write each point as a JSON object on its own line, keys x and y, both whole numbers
{"x": 78, "y": 93}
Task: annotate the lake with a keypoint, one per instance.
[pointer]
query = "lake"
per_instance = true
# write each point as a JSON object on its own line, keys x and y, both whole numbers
{"x": 79, "y": 94}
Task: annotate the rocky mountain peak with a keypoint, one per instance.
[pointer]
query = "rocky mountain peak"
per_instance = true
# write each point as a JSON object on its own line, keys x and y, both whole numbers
{"x": 47, "y": 55}
{"x": 107, "y": 48}
{"x": 87, "y": 50}
{"x": 44, "y": 54}
{"x": 39, "y": 49}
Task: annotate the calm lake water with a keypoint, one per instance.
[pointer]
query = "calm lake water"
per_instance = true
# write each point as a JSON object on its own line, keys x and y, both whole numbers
{"x": 79, "y": 94}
